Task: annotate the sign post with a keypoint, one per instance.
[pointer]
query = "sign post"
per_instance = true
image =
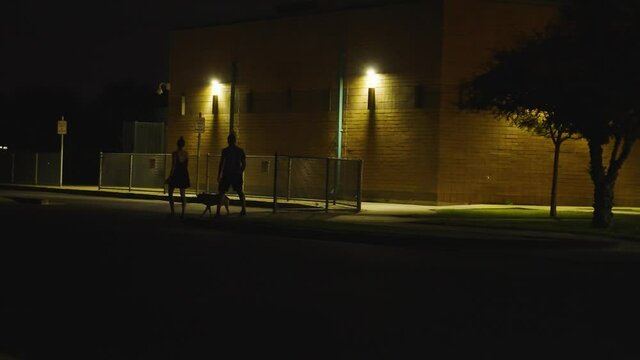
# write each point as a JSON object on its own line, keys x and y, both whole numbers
{"x": 199, "y": 130}
{"x": 62, "y": 130}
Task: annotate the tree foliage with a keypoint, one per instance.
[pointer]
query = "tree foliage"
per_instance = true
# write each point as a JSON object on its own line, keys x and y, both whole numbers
{"x": 520, "y": 88}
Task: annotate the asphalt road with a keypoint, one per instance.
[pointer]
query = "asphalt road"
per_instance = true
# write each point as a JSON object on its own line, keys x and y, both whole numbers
{"x": 98, "y": 278}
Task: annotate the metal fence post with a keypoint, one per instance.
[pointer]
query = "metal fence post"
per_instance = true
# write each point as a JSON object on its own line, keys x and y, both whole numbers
{"x": 359, "y": 187}
{"x": 130, "y": 170}
{"x": 13, "y": 167}
{"x": 289, "y": 178}
{"x": 275, "y": 183}
{"x": 36, "y": 173}
{"x": 198, "y": 165}
{"x": 100, "y": 170}
{"x": 326, "y": 185}
{"x": 164, "y": 187}
{"x": 336, "y": 180}
{"x": 206, "y": 173}
{"x": 61, "y": 157}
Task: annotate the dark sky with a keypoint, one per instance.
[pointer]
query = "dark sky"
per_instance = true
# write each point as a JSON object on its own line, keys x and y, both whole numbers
{"x": 84, "y": 44}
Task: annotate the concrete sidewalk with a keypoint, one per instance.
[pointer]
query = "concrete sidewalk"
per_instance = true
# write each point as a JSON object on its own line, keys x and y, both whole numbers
{"x": 367, "y": 208}
{"x": 375, "y": 220}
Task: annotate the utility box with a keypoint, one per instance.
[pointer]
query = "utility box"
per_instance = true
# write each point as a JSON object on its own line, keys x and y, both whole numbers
{"x": 143, "y": 137}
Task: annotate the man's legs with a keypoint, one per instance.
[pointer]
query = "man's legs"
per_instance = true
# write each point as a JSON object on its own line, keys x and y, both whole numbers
{"x": 222, "y": 189}
{"x": 219, "y": 204}
{"x": 238, "y": 186}
{"x": 244, "y": 209}
{"x": 225, "y": 200}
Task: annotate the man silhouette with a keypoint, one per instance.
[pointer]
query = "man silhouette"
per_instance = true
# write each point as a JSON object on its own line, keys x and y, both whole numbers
{"x": 231, "y": 171}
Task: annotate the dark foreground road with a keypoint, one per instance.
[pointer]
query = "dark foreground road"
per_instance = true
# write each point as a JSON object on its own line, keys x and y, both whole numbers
{"x": 88, "y": 278}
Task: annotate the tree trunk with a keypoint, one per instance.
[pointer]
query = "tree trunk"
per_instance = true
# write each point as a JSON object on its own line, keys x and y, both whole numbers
{"x": 554, "y": 182}
{"x": 603, "y": 189}
{"x": 603, "y": 204}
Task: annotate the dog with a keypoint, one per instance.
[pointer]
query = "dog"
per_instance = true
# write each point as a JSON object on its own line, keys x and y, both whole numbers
{"x": 210, "y": 199}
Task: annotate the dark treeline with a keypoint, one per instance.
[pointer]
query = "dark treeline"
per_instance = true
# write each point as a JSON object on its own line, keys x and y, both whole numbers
{"x": 29, "y": 122}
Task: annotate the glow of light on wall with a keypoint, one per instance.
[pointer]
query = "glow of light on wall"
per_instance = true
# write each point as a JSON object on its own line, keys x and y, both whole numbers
{"x": 373, "y": 79}
{"x": 216, "y": 88}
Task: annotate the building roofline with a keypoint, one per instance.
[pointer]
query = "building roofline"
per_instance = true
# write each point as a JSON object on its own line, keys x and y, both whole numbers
{"x": 302, "y": 13}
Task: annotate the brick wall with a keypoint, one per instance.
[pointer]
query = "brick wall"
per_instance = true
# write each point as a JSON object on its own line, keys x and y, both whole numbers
{"x": 288, "y": 72}
{"x": 416, "y": 145}
{"x": 483, "y": 160}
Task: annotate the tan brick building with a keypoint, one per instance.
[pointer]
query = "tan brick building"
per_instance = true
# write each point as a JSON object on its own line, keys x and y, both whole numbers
{"x": 416, "y": 145}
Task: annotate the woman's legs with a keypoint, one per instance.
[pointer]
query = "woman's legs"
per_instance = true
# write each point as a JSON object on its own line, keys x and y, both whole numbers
{"x": 183, "y": 198}
{"x": 171, "y": 188}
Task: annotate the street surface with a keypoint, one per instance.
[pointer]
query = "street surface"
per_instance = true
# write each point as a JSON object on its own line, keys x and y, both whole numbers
{"x": 99, "y": 278}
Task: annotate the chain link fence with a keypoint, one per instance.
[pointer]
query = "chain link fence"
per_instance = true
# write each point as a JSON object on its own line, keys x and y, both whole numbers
{"x": 321, "y": 182}
{"x": 316, "y": 182}
{"x": 140, "y": 172}
{"x": 30, "y": 168}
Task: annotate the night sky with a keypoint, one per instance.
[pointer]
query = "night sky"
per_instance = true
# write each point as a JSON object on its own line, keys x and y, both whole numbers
{"x": 82, "y": 45}
{"x": 99, "y": 64}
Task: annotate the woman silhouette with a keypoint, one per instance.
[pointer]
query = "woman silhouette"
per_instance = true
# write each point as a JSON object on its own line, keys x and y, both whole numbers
{"x": 179, "y": 175}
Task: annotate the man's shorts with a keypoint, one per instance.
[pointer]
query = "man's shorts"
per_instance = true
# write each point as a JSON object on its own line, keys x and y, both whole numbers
{"x": 234, "y": 181}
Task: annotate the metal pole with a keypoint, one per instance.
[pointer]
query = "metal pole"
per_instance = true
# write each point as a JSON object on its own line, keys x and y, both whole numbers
{"x": 207, "y": 172}
{"x": 275, "y": 183}
{"x": 164, "y": 188}
{"x": 100, "y": 171}
{"x": 61, "y": 156}
{"x": 336, "y": 179}
{"x": 339, "y": 130}
{"x": 232, "y": 100}
{"x": 326, "y": 186}
{"x": 198, "y": 165}
{"x": 289, "y": 178}
{"x": 13, "y": 167}
{"x": 359, "y": 187}
{"x": 130, "y": 170}
{"x": 36, "y": 175}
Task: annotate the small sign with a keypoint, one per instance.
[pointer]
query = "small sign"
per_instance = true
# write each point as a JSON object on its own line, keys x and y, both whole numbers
{"x": 62, "y": 127}
{"x": 200, "y": 125}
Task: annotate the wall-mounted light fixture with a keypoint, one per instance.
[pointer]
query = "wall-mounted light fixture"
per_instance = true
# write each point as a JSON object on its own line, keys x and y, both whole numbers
{"x": 373, "y": 80}
{"x": 216, "y": 89}
{"x": 161, "y": 86}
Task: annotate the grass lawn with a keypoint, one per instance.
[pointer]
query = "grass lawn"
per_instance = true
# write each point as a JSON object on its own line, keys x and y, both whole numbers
{"x": 626, "y": 222}
{"x": 572, "y": 220}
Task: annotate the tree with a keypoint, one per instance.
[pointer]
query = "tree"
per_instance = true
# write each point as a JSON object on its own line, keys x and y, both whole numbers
{"x": 582, "y": 72}
{"x": 508, "y": 91}
{"x": 602, "y": 45}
